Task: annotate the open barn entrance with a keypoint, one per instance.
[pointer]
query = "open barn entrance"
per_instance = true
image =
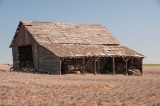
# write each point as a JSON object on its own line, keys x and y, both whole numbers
{"x": 102, "y": 65}
{"x": 106, "y": 65}
{"x": 78, "y": 65}
{"x": 120, "y": 66}
{"x": 70, "y": 66}
{"x": 25, "y": 58}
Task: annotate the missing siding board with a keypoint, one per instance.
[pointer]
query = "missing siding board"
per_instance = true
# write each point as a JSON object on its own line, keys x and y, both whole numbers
{"x": 28, "y": 25}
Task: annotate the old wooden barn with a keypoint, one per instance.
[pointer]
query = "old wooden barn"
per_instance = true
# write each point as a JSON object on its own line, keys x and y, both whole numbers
{"x": 60, "y": 48}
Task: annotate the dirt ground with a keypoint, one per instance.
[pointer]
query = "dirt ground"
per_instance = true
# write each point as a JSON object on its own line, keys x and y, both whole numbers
{"x": 17, "y": 89}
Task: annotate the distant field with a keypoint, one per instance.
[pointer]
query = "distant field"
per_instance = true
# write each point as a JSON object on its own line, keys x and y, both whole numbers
{"x": 152, "y": 68}
{"x": 151, "y": 64}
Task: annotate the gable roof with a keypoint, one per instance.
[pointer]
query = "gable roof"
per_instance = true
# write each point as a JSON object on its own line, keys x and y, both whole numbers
{"x": 70, "y": 40}
{"x": 48, "y": 32}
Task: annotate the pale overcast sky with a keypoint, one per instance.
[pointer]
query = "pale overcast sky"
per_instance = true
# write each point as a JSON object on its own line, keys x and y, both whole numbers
{"x": 135, "y": 23}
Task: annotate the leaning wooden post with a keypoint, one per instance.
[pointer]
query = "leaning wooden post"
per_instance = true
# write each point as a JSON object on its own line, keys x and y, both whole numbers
{"x": 113, "y": 60}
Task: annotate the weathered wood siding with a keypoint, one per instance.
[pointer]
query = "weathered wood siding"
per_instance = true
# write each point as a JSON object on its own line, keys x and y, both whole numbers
{"x": 24, "y": 38}
{"x": 35, "y": 51}
{"x": 48, "y": 62}
{"x": 15, "y": 57}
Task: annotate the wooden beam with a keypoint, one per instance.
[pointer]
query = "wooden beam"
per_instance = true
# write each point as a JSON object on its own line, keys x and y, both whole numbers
{"x": 83, "y": 70}
{"x": 33, "y": 56}
{"x": 38, "y": 56}
{"x": 126, "y": 59}
{"x": 113, "y": 63}
{"x": 141, "y": 66}
{"x": 95, "y": 66}
{"x": 126, "y": 67}
{"x": 17, "y": 56}
{"x": 60, "y": 67}
{"x": 98, "y": 66}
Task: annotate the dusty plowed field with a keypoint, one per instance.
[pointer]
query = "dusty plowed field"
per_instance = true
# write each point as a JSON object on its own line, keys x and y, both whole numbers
{"x": 17, "y": 88}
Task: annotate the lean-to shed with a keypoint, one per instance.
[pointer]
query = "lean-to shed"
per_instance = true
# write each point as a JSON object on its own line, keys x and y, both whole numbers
{"x": 60, "y": 48}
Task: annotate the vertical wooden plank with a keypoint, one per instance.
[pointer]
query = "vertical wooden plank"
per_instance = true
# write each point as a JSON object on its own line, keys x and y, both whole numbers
{"x": 48, "y": 62}
{"x": 98, "y": 65}
{"x": 37, "y": 57}
{"x": 83, "y": 65}
{"x": 95, "y": 66}
{"x": 14, "y": 57}
{"x": 113, "y": 60}
{"x": 126, "y": 67}
{"x": 141, "y": 66}
{"x": 33, "y": 55}
{"x": 17, "y": 56}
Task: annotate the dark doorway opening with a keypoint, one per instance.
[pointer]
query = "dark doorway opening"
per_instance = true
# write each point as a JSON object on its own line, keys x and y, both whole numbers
{"x": 25, "y": 57}
{"x": 120, "y": 66}
{"x": 70, "y": 66}
{"x": 106, "y": 65}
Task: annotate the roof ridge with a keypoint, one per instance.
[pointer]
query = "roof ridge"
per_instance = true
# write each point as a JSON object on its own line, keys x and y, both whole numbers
{"x": 28, "y": 21}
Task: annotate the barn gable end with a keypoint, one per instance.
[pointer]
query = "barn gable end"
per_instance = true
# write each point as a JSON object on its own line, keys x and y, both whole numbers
{"x": 41, "y": 56}
{"x": 22, "y": 38}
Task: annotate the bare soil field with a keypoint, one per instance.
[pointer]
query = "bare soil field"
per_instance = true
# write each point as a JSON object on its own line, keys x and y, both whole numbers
{"x": 17, "y": 89}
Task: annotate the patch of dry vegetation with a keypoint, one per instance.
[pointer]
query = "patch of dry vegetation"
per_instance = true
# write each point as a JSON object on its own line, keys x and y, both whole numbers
{"x": 89, "y": 90}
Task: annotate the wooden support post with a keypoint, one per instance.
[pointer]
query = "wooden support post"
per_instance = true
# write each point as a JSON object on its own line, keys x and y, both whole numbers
{"x": 17, "y": 58}
{"x": 126, "y": 67}
{"x": 61, "y": 60}
{"x": 141, "y": 66}
{"x": 83, "y": 65}
{"x": 95, "y": 66}
{"x": 113, "y": 60}
{"x": 126, "y": 59}
{"x": 98, "y": 66}
{"x": 60, "y": 67}
{"x": 37, "y": 57}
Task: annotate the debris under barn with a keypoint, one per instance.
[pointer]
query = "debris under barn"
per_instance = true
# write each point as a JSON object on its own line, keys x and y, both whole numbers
{"x": 60, "y": 48}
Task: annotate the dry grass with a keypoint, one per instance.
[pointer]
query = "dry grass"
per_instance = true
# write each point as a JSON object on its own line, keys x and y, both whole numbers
{"x": 82, "y": 90}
